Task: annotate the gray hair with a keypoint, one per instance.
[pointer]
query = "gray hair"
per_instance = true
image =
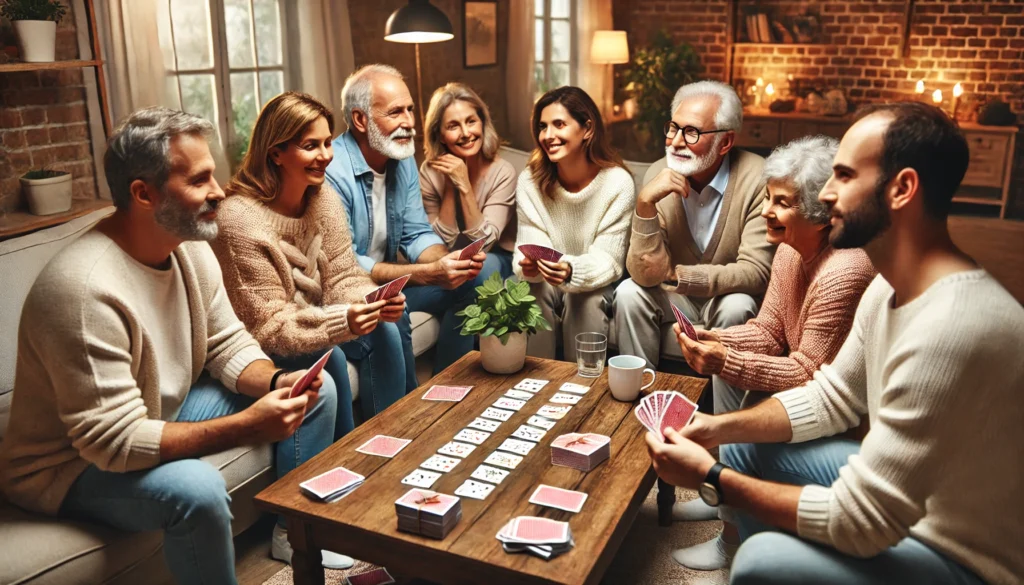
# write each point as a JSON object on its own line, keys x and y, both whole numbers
{"x": 806, "y": 164}
{"x": 357, "y": 94}
{"x": 139, "y": 147}
{"x": 729, "y": 115}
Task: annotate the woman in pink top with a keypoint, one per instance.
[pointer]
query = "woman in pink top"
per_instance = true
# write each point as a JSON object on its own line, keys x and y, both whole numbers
{"x": 807, "y": 312}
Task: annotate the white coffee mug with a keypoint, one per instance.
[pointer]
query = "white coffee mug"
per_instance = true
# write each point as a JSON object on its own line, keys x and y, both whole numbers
{"x": 625, "y": 376}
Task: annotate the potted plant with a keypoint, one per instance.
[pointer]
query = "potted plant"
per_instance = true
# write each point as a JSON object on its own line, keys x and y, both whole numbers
{"x": 47, "y": 191}
{"x": 35, "y": 22}
{"x": 503, "y": 315}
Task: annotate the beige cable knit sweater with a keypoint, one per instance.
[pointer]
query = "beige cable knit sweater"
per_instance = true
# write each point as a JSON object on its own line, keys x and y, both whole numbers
{"x": 291, "y": 280}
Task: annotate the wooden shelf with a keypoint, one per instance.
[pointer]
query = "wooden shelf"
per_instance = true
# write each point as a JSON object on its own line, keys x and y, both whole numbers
{"x": 796, "y": 45}
{"x": 21, "y": 222}
{"x": 49, "y": 66}
{"x": 977, "y": 200}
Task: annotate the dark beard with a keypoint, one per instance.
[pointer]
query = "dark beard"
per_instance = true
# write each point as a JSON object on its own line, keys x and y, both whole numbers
{"x": 862, "y": 225}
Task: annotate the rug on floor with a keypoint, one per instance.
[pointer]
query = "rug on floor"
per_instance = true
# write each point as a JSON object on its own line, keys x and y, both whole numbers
{"x": 645, "y": 557}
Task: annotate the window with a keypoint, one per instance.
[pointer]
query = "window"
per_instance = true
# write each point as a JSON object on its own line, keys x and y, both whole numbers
{"x": 554, "y": 44}
{"x": 229, "y": 62}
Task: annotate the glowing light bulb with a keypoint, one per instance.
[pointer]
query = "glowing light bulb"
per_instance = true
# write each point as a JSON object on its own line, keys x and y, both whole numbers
{"x": 770, "y": 89}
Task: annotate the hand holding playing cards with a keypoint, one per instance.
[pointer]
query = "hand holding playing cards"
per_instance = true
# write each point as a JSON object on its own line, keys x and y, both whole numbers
{"x": 274, "y": 417}
{"x": 555, "y": 273}
{"x": 451, "y": 273}
{"x": 705, "y": 357}
{"x": 530, "y": 269}
{"x": 708, "y": 335}
{"x": 289, "y": 379}
{"x": 393, "y": 309}
{"x": 362, "y": 317}
{"x": 703, "y": 430}
{"x": 678, "y": 460}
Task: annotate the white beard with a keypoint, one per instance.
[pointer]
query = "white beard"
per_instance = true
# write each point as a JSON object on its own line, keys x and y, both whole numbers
{"x": 387, "y": 146}
{"x": 694, "y": 166}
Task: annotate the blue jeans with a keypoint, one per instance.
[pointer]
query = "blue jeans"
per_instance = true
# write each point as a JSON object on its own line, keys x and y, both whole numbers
{"x": 775, "y": 558}
{"x": 387, "y": 371}
{"x": 337, "y": 367}
{"x": 443, "y": 304}
{"x": 188, "y": 498}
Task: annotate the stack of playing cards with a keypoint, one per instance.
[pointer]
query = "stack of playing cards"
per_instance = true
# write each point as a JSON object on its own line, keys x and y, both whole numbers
{"x": 333, "y": 485}
{"x": 428, "y": 513}
{"x": 662, "y": 409}
{"x": 542, "y": 537}
{"x": 580, "y": 451}
{"x": 535, "y": 252}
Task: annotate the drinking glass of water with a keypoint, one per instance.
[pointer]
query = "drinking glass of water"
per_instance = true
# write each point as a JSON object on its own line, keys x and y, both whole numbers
{"x": 591, "y": 349}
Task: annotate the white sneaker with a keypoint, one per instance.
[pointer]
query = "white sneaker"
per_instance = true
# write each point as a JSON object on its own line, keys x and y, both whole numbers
{"x": 693, "y": 511}
{"x": 707, "y": 556}
{"x": 281, "y": 550}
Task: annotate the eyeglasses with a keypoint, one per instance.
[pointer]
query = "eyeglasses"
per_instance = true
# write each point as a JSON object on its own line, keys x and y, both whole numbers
{"x": 690, "y": 134}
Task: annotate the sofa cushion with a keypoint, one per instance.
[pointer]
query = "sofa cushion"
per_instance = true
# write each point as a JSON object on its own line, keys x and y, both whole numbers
{"x": 425, "y": 329}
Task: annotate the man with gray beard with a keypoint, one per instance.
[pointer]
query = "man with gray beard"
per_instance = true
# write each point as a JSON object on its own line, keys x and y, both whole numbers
{"x": 699, "y": 241}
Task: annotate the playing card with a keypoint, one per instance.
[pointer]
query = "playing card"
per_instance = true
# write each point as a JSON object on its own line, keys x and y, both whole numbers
{"x": 506, "y": 460}
{"x": 684, "y": 324}
{"x": 553, "y": 497}
{"x": 677, "y": 412}
{"x": 387, "y": 290}
{"x": 516, "y": 446}
{"x": 447, "y": 393}
{"x": 472, "y": 249}
{"x": 440, "y": 463}
{"x": 497, "y": 414}
{"x": 299, "y": 387}
{"x": 531, "y": 385}
{"x": 518, "y": 394}
{"x": 472, "y": 436}
{"x": 531, "y": 529}
{"x": 535, "y": 252}
{"x": 474, "y": 489}
{"x": 563, "y": 398}
{"x": 456, "y": 449}
{"x": 421, "y": 478}
{"x": 641, "y": 415}
{"x": 482, "y": 424}
{"x": 528, "y": 433}
{"x": 553, "y": 412}
{"x": 383, "y": 446}
{"x": 331, "y": 482}
{"x": 509, "y": 403}
{"x": 574, "y": 388}
{"x": 541, "y": 422}
{"x": 378, "y": 576}
{"x": 489, "y": 474}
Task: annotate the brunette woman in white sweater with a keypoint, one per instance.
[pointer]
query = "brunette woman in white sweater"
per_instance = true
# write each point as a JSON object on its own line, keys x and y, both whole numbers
{"x": 576, "y": 196}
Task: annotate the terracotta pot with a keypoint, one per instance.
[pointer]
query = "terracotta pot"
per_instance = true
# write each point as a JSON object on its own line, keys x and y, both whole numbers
{"x": 503, "y": 359}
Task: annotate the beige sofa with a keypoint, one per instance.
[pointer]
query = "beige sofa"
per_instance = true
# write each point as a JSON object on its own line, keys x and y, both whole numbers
{"x": 41, "y": 550}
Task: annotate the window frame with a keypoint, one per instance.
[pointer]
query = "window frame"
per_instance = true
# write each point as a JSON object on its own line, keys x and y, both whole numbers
{"x": 546, "y": 39}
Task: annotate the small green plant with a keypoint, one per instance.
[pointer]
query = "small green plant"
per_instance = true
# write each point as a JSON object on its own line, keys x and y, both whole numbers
{"x": 503, "y": 309}
{"x": 35, "y": 175}
{"x": 32, "y": 10}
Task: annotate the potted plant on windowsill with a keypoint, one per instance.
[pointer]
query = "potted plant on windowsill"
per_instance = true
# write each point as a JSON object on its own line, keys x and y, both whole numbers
{"x": 503, "y": 315}
{"x": 35, "y": 22}
{"x": 47, "y": 191}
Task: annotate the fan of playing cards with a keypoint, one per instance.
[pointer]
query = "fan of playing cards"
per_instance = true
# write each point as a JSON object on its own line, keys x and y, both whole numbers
{"x": 535, "y": 252}
{"x": 542, "y": 537}
{"x": 659, "y": 410}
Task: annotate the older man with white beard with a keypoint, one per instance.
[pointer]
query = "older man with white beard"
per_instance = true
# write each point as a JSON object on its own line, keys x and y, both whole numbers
{"x": 374, "y": 172}
{"x": 699, "y": 241}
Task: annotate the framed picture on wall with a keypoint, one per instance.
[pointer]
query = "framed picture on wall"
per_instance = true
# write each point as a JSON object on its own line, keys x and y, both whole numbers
{"x": 479, "y": 33}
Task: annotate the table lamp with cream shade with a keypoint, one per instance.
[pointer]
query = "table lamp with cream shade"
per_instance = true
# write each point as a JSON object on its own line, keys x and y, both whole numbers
{"x": 417, "y": 22}
{"x": 609, "y": 47}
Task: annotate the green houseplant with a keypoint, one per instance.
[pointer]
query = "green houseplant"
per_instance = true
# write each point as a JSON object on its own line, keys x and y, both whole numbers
{"x": 35, "y": 22}
{"x": 503, "y": 315}
{"x": 47, "y": 191}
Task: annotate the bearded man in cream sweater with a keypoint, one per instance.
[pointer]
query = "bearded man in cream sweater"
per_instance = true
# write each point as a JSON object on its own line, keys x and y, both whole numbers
{"x": 932, "y": 495}
{"x": 698, "y": 240}
{"x": 132, "y": 364}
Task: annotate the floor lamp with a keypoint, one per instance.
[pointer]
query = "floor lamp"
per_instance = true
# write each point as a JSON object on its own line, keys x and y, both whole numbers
{"x": 418, "y": 22}
{"x": 609, "y": 47}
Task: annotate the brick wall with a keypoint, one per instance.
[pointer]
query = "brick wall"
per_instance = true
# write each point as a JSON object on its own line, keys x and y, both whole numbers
{"x": 979, "y": 43}
{"x": 44, "y": 123}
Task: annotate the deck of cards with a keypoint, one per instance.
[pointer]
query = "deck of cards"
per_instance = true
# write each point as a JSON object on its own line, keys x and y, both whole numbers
{"x": 332, "y": 485}
{"x": 387, "y": 290}
{"x": 659, "y": 410}
{"x": 472, "y": 249}
{"x": 378, "y": 576}
{"x": 553, "y": 497}
{"x": 299, "y": 387}
{"x": 428, "y": 513}
{"x": 582, "y": 451}
{"x": 535, "y": 252}
{"x": 541, "y": 537}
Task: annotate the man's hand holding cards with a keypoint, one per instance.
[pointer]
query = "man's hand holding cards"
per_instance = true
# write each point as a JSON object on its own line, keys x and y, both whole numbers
{"x": 660, "y": 410}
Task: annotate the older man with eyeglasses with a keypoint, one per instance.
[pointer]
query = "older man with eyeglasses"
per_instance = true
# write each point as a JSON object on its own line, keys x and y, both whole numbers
{"x": 698, "y": 241}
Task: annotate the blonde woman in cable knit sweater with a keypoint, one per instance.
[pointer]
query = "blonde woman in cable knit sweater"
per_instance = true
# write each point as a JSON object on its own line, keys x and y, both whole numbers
{"x": 576, "y": 196}
{"x": 286, "y": 253}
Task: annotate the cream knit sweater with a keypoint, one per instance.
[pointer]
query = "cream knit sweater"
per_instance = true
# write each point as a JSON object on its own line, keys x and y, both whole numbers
{"x": 940, "y": 380}
{"x": 590, "y": 227}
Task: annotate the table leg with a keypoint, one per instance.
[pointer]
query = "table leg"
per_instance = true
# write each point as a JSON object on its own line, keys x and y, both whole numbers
{"x": 666, "y": 499}
{"x": 307, "y": 564}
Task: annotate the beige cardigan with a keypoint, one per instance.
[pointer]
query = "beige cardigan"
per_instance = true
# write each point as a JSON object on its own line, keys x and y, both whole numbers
{"x": 86, "y": 387}
{"x": 738, "y": 258}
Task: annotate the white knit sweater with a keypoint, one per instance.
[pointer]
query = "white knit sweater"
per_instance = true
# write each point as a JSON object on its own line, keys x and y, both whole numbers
{"x": 590, "y": 227}
{"x": 940, "y": 380}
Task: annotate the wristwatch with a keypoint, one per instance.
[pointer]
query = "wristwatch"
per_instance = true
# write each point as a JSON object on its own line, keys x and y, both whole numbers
{"x": 711, "y": 491}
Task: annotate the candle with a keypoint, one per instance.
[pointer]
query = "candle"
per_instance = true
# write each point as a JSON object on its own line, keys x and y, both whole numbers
{"x": 919, "y": 88}
{"x": 937, "y": 97}
{"x": 958, "y": 91}
{"x": 757, "y": 97}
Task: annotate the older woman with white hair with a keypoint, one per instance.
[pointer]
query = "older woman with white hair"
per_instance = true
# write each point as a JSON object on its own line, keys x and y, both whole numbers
{"x": 807, "y": 312}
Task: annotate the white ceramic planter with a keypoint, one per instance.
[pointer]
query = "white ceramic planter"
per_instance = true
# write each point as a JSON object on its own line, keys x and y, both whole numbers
{"x": 38, "y": 39}
{"x": 48, "y": 196}
{"x": 503, "y": 359}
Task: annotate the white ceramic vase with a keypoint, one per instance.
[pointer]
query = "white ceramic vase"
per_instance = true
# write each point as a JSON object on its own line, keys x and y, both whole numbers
{"x": 503, "y": 359}
{"x": 38, "y": 39}
{"x": 48, "y": 196}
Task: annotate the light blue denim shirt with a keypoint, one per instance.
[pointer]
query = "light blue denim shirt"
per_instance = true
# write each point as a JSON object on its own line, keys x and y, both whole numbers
{"x": 409, "y": 232}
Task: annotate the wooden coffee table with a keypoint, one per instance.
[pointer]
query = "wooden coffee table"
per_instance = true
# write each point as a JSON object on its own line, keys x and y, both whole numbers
{"x": 364, "y": 524}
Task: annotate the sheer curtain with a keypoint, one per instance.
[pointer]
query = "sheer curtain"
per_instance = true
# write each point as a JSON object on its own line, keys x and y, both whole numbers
{"x": 519, "y": 73}
{"x": 321, "y": 54}
{"x": 592, "y": 15}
